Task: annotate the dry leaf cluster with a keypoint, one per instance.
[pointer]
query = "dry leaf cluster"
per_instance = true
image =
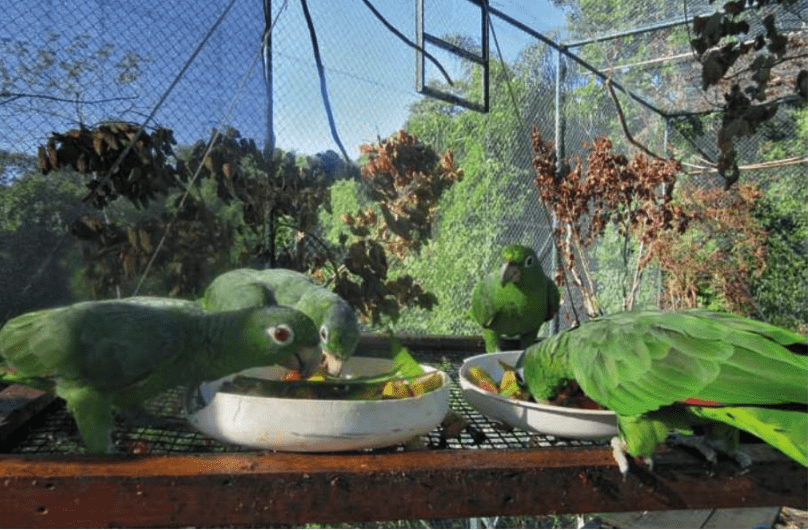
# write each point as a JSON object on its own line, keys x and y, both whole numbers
{"x": 706, "y": 242}
{"x": 406, "y": 179}
{"x": 635, "y": 195}
{"x": 122, "y": 159}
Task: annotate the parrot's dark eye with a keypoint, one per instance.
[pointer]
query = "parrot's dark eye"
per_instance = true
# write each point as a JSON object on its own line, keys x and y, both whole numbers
{"x": 529, "y": 261}
{"x": 323, "y": 333}
{"x": 281, "y": 334}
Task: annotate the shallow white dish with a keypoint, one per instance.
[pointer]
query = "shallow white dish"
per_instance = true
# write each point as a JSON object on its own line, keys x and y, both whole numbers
{"x": 310, "y": 425}
{"x": 566, "y": 422}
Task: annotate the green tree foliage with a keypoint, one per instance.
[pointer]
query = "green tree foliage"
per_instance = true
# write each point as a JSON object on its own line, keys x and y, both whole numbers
{"x": 780, "y": 294}
{"x": 220, "y": 204}
{"x": 37, "y": 258}
{"x": 402, "y": 182}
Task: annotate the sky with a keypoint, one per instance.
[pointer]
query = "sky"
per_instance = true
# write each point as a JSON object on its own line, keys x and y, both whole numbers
{"x": 370, "y": 74}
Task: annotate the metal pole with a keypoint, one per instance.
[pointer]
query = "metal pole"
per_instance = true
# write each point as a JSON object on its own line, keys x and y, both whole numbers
{"x": 269, "y": 142}
{"x": 419, "y": 41}
{"x": 559, "y": 145}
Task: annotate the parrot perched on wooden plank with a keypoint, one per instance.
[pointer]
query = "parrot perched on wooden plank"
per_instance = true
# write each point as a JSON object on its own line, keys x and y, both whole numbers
{"x": 663, "y": 372}
{"x": 515, "y": 299}
{"x": 337, "y": 322}
{"x": 116, "y": 354}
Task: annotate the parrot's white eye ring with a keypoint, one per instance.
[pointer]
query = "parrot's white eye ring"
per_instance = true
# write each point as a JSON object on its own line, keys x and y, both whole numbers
{"x": 281, "y": 334}
{"x": 529, "y": 261}
{"x": 323, "y": 333}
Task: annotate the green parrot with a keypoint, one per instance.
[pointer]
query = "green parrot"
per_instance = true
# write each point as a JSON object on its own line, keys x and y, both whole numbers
{"x": 336, "y": 321}
{"x": 514, "y": 300}
{"x": 116, "y": 354}
{"x": 663, "y": 372}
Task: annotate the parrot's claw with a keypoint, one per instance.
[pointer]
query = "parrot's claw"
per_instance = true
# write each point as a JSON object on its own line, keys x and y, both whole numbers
{"x": 620, "y": 455}
{"x": 709, "y": 449}
{"x": 743, "y": 459}
{"x": 699, "y": 443}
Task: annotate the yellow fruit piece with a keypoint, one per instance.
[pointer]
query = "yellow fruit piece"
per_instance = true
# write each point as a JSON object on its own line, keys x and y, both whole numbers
{"x": 509, "y": 387}
{"x": 396, "y": 389}
{"x": 426, "y": 383}
{"x": 482, "y": 379}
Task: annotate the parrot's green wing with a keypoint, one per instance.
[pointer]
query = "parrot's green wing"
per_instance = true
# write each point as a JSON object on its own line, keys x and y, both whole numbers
{"x": 786, "y": 430}
{"x": 515, "y": 299}
{"x": 654, "y": 369}
{"x": 102, "y": 344}
{"x": 670, "y": 372}
{"x": 638, "y": 362}
{"x": 336, "y": 320}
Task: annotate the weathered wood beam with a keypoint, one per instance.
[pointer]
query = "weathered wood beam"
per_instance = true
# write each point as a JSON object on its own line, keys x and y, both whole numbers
{"x": 283, "y": 488}
{"x": 18, "y": 405}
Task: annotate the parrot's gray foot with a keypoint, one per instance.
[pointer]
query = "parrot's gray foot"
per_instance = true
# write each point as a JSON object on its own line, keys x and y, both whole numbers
{"x": 699, "y": 443}
{"x": 620, "y": 455}
{"x": 743, "y": 459}
{"x": 709, "y": 448}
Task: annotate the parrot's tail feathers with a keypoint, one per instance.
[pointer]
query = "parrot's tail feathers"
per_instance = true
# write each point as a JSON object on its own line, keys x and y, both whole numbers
{"x": 786, "y": 430}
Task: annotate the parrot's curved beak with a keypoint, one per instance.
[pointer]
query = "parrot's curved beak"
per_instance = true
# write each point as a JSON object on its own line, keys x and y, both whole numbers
{"x": 509, "y": 273}
{"x": 306, "y": 361}
{"x": 519, "y": 371}
{"x": 331, "y": 363}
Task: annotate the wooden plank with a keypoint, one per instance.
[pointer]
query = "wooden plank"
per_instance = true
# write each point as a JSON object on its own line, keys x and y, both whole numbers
{"x": 754, "y": 517}
{"x": 284, "y": 488}
{"x": 18, "y": 405}
{"x": 659, "y": 519}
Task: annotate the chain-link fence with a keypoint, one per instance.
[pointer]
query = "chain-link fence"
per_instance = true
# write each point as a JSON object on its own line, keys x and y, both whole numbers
{"x": 195, "y": 67}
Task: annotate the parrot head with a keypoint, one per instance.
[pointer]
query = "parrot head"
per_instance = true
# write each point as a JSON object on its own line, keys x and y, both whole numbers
{"x": 285, "y": 336}
{"x": 517, "y": 259}
{"x": 542, "y": 369}
{"x": 339, "y": 336}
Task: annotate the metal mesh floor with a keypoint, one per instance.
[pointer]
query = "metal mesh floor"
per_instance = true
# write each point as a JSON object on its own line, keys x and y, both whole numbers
{"x": 164, "y": 431}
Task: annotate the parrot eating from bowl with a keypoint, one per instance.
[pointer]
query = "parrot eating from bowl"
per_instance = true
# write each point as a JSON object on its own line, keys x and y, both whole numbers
{"x": 116, "y": 354}
{"x": 678, "y": 372}
{"x": 336, "y": 321}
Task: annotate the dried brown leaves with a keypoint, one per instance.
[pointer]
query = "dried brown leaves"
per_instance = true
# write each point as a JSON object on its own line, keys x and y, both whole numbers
{"x": 122, "y": 159}
{"x": 406, "y": 178}
{"x": 707, "y": 242}
{"x": 725, "y": 247}
{"x": 634, "y": 194}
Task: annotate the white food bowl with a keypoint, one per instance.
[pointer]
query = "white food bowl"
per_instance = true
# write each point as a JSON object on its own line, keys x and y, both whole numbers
{"x": 566, "y": 422}
{"x": 313, "y": 425}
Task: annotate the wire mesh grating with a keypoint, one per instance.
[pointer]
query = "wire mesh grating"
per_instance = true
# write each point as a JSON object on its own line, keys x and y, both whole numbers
{"x": 163, "y": 430}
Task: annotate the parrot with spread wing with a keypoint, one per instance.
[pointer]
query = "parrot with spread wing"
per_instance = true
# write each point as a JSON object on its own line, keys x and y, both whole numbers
{"x": 515, "y": 299}
{"x": 116, "y": 354}
{"x": 337, "y": 322}
{"x": 663, "y": 372}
